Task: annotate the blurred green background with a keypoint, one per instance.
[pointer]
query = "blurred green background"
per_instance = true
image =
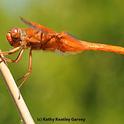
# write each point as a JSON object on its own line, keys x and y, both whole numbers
{"x": 88, "y": 85}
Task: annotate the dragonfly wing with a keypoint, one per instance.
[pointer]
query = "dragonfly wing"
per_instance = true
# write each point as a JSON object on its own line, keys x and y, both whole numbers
{"x": 70, "y": 35}
{"x": 36, "y": 26}
{"x": 70, "y": 44}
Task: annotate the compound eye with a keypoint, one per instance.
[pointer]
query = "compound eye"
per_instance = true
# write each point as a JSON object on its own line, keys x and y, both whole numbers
{"x": 15, "y": 30}
{"x": 13, "y": 36}
{"x": 15, "y": 33}
{"x": 9, "y": 38}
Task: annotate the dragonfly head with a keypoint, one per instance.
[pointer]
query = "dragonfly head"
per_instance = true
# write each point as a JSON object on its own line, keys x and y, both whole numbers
{"x": 14, "y": 37}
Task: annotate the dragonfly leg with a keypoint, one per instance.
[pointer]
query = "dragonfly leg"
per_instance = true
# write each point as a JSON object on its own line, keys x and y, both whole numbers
{"x": 11, "y": 51}
{"x": 25, "y": 77}
{"x": 17, "y": 59}
{"x": 8, "y": 53}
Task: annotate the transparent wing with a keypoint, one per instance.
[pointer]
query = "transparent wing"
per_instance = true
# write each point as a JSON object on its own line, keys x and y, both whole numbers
{"x": 36, "y": 26}
{"x": 71, "y": 36}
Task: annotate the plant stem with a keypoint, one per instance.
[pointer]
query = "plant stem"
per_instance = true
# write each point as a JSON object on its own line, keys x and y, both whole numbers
{"x": 15, "y": 93}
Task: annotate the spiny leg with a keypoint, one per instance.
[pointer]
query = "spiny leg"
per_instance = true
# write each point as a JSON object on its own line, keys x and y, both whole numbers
{"x": 17, "y": 59}
{"x": 8, "y": 53}
{"x": 11, "y": 51}
{"x": 25, "y": 77}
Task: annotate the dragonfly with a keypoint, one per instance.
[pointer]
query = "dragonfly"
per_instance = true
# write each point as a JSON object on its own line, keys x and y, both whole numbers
{"x": 39, "y": 37}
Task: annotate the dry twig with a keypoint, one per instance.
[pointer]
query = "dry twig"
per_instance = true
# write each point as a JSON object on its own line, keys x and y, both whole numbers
{"x": 15, "y": 93}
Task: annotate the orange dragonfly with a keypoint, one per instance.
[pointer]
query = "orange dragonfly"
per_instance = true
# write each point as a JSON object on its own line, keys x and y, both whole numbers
{"x": 38, "y": 37}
